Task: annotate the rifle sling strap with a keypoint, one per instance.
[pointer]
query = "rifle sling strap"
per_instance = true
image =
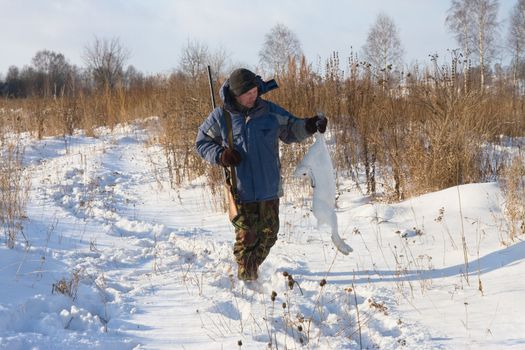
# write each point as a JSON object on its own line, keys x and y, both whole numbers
{"x": 231, "y": 176}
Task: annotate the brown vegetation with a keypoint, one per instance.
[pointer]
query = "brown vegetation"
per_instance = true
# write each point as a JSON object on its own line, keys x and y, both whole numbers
{"x": 14, "y": 186}
{"x": 415, "y": 132}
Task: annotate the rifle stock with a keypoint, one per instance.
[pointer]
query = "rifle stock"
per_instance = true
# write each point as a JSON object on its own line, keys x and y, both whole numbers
{"x": 233, "y": 211}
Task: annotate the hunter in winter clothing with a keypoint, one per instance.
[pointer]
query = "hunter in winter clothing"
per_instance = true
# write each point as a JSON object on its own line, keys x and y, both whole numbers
{"x": 257, "y": 127}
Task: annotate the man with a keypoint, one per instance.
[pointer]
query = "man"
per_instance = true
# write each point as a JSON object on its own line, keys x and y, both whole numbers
{"x": 257, "y": 126}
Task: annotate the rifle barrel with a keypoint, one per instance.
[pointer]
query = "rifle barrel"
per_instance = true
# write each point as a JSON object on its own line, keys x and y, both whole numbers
{"x": 210, "y": 80}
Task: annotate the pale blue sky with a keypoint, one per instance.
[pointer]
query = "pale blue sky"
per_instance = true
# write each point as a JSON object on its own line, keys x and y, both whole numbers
{"x": 155, "y": 31}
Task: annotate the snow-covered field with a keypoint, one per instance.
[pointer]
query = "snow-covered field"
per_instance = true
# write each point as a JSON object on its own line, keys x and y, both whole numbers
{"x": 119, "y": 260}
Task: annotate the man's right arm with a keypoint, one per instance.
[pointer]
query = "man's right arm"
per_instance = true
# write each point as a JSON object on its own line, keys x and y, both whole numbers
{"x": 209, "y": 139}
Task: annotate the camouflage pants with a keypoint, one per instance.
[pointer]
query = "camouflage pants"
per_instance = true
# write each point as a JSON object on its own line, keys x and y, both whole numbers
{"x": 256, "y": 230}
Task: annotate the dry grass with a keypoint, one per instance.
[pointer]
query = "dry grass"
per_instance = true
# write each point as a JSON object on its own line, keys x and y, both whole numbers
{"x": 14, "y": 188}
{"x": 68, "y": 287}
{"x": 513, "y": 184}
{"x": 417, "y": 133}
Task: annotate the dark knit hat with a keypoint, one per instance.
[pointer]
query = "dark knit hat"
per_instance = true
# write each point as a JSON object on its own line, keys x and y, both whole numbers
{"x": 242, "y": 80}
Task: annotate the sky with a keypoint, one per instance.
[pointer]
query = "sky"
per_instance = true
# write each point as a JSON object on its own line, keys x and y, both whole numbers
{"x": 156, "y": 31}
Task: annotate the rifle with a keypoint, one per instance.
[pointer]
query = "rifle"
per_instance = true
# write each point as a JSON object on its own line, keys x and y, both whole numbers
{"x": 230, "y": 186}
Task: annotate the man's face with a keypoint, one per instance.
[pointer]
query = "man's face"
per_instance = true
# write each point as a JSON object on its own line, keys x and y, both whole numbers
{"x": 248, "y": 98}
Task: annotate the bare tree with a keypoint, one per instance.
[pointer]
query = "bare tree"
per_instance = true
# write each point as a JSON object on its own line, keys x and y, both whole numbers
{"x": 383, "y": 49}
{"x": 132, "y": 77}
{"x": 195, "y": 57}
{"x": 516, "y": 37}
{"x": 13, "y": 83}
{"x": 220, "y": 63}
{"x": 105, "y": 59}
{"x": 280, "y": 45}
{"x": 474, "y": 24}
{"x": 486, "y": 25}
{"x": 52, "y": 70}
{"x": 459, "y": 22}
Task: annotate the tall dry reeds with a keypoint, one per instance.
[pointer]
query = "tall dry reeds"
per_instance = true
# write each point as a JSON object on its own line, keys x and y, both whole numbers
{"x": 422, "y": 131}
{"x": 61, "y": 115}
{"x": 443, "y": 141}
{"x": 14, "y": 189}
{"x": 513, "y": 184}
{"x": 183, "y": 104}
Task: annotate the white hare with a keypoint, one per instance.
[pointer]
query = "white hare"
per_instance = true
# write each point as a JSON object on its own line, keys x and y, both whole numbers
{"x": 317, "y": 166}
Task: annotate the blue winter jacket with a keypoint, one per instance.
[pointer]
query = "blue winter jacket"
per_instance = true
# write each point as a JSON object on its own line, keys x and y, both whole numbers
{"x": 256, "y": 135}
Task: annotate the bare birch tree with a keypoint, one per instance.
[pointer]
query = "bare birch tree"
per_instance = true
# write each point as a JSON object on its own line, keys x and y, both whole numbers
{"x": 459, "y": 22}
{"x": 486, "y": 24}
{"x": 383, "y": 49}
{"x": 516, "y": 38}
{"x": 280, "y": 45}
{"x": 475, "y": 25}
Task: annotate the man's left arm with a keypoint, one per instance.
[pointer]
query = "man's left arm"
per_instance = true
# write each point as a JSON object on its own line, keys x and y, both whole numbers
{"x": 291, "y": 128}
{"x": 294, "y": 129}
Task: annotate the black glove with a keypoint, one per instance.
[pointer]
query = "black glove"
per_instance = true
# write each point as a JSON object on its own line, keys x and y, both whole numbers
{"x": 317, "y": 123}
{"x": 229, "y": 157}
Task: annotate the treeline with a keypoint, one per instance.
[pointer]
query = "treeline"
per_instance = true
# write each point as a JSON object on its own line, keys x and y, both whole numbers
{"x": 57, "y": 80}
{"x": 51, "y": 75}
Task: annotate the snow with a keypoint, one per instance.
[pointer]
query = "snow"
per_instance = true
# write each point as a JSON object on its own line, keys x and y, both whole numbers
{"x": 119, "y": 260}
